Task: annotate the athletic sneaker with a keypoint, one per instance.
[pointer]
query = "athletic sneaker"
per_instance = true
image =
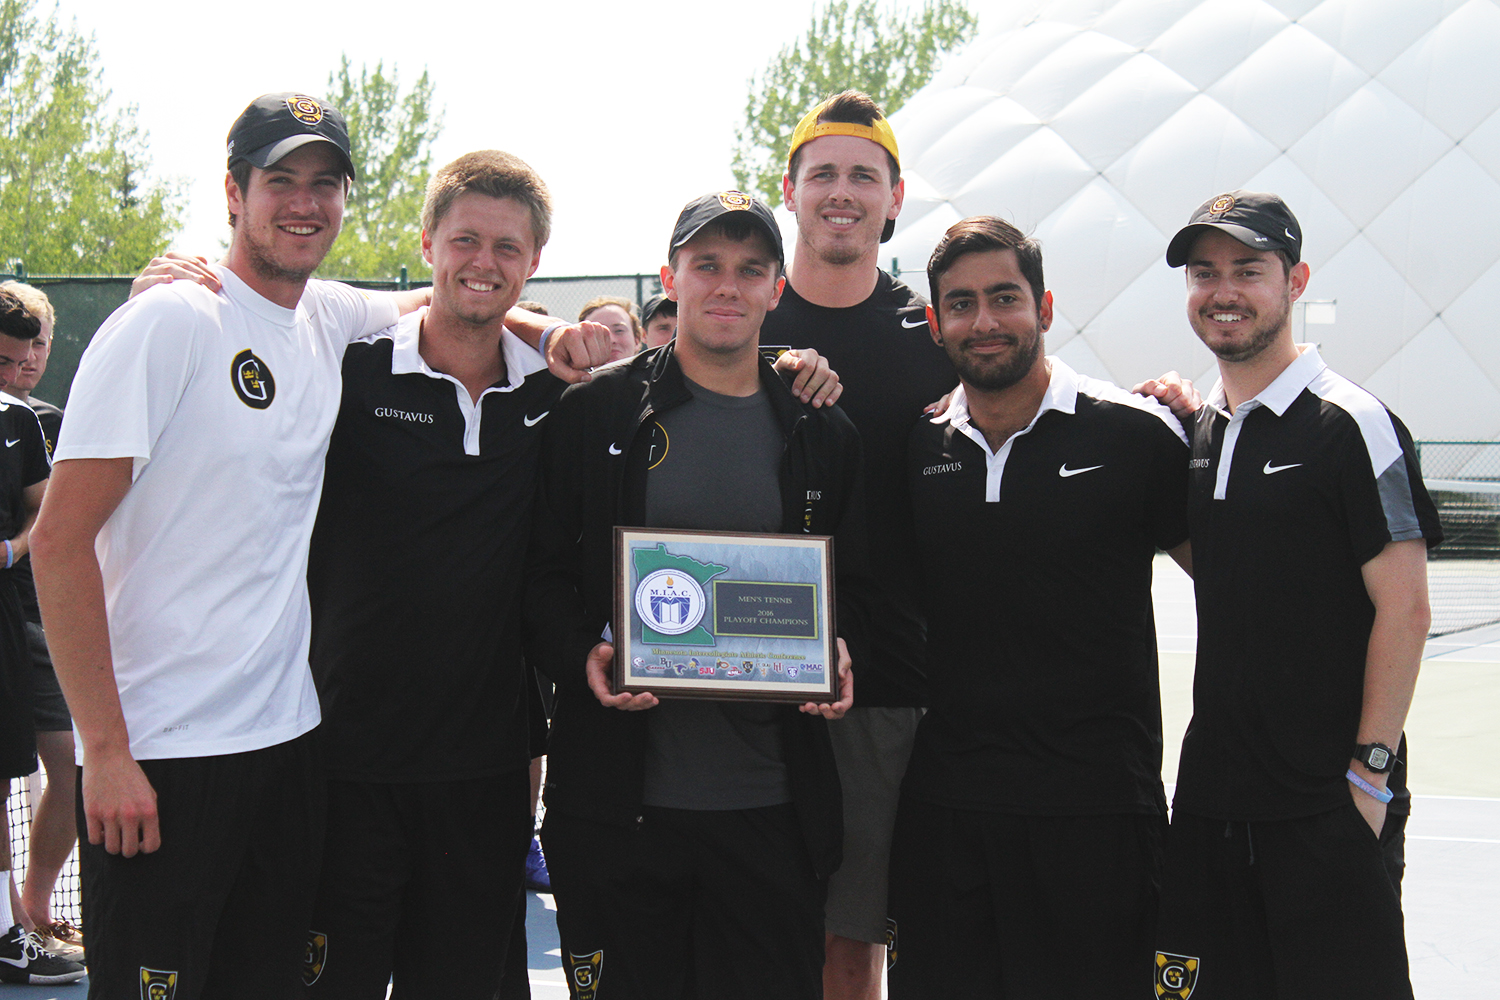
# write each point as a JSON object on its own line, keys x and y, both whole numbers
{"x": 537, "y": 879}
{"x": 62, "y": 940}
{"x": 24, "y": 960}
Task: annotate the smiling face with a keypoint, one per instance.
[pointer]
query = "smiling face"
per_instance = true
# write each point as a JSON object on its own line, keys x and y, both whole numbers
{"x": 1239, "y": 300}
{"x": 988, "y": 321}
{"x": 723, "y": 288}
{"x": 481, "y": 251}
{"x": 842, "y": 197}
{"x": 287, "y": 217}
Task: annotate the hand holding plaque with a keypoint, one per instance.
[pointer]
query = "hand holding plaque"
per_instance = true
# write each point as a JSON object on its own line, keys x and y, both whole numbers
{"x": 725, "y": 616}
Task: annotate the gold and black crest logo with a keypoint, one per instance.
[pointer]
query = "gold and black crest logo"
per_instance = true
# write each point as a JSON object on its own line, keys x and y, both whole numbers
{"x": 585, "y": 971}
{"x": 1222, "y": 204}
{"x": 305, "y": 109}
{"x": 735, "y": 201}
{"x": 314, "y": 957}
{"x": 253, "y": 381}
{"x": 158, "y": 984}
{"x": 1176, "y": 975}
{"x": 890, "y": 939}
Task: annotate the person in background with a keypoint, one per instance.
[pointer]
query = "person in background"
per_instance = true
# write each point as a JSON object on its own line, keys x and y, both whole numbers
{"x": 619, "y": 317}
{"x": 658, "y": 321}
{"x": 53, "y": 831}
{"x": 24, "y": 475}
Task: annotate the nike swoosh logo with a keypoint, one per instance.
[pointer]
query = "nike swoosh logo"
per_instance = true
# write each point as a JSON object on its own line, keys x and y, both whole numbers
{"x": 1065, "y": 472}
{"x": 20, "y": 963}
{"x": 11, "y": 444}
{"x": 614, "y": 449}
{"x": 1269, "y": 469}
{"x": 533, "y": 421}
{"x": 908, "y": 324}
{"x": 1288, "y": 233}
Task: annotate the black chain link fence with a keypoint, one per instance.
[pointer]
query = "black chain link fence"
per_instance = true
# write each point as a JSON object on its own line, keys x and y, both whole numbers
{"x": 83, "y": 303}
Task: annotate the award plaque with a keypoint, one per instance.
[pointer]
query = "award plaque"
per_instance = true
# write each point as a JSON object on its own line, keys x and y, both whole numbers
{"x": 724, "y": 615}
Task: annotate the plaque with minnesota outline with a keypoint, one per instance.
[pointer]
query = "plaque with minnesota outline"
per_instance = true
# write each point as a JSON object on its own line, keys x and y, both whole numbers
{"x": 724, "y": 615}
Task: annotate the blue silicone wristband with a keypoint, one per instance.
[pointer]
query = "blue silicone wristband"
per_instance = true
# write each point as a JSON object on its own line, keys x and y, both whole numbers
{"x": 1378, "y": 794}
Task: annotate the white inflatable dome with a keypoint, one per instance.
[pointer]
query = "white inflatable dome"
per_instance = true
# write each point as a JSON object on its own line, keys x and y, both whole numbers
{"x": 1101, "y": 126}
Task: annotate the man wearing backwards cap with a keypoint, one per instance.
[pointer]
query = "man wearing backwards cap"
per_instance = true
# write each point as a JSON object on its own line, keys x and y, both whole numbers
{"x": 688, "y": 844}
{"x": 170, "y": 562}
{"x": 1310, "y": 526}
{"x": 843, "y": 181}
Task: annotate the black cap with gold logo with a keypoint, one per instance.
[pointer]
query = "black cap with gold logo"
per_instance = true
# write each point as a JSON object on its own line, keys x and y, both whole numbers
{"x": 1260, "y": 221}
{"x": 701, "y": 211}
{"x": 275, "y": 124}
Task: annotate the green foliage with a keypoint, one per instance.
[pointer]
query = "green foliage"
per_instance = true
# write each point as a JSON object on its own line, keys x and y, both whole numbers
{"x": 74, "y": 193}
{"x": 858, "y": 46}
{"x": 392, "y": 136}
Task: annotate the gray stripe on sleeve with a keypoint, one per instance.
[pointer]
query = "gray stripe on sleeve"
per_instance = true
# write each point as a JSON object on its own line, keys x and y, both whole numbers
{"x": 1396, "y": 499}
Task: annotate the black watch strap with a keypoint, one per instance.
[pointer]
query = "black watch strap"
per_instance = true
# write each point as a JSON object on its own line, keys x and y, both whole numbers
{"x": 1376, "y": 757}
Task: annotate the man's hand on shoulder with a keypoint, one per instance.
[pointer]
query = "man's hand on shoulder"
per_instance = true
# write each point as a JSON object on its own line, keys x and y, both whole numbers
{"x": 1174, "y": 392}
{"x": 597, "y": 669}
{"x": 815, "y": 383}
{"x": 172, "y": 266}
{"x": 573, "y": 351}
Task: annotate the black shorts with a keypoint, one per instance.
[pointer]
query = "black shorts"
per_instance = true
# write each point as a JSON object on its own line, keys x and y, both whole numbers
{"x": 1280, "y": 909}
{"x": 49, "y": 710}
{"x": 17, "y": 731}
{"x": 220, "y": 911}
{"x": 402, "y": 863}
{"x": 988, "y": 904}
{"x": 690, "y": 904}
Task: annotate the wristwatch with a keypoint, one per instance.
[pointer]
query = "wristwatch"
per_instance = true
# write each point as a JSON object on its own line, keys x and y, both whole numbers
{"x": 1376, "y": 757}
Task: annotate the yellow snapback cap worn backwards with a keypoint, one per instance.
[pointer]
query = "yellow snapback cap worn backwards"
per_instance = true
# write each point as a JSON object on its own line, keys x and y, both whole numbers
{"x": 809, "y": 128}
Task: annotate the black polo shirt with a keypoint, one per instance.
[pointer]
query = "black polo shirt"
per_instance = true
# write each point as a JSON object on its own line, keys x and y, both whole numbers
{"x": 417, "y": 563}
{"x": 1037, "y": 570}
{"x": 50, "y": 417}
{"x": 1289, "y": 498}
{"x": 891, "y": 370}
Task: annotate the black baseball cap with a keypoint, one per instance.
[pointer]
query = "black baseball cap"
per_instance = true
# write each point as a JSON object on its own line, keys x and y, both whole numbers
{"x": 658, "y": 303}
{"x": 275, "y": 124}
{"x": 1259, "y": 220}
{"x": 702, "y": 210}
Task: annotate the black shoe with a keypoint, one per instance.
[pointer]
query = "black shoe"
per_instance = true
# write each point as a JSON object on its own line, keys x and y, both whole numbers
{"x": 24, "y": 960}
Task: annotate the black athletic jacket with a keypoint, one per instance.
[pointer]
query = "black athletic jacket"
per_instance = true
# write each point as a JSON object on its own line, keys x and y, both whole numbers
{"x": 594, "y": 465}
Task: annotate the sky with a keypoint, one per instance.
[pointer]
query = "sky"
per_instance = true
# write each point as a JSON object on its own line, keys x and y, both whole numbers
{"x": 627, "y": 110}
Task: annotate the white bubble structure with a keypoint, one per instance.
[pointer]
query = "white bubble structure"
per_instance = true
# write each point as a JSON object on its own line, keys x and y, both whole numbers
{"x": 1100, "y": 126}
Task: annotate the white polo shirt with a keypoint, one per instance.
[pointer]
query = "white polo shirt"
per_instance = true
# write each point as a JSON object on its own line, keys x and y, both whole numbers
{"x": 225, "y": 402}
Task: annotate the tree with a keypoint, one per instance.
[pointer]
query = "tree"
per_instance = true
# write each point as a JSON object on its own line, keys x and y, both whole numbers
{"x": 888, "y": 55}
{"x": 392, "y": 135}
{"x": 75, "y": 197}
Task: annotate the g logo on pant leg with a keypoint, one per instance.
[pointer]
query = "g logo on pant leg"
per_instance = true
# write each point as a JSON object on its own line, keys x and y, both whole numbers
{"x": 314, "y": 957}
{"x": 1176, "y": 975}
{"x": 584, "y": 971}
{"x": 158, "y": 984}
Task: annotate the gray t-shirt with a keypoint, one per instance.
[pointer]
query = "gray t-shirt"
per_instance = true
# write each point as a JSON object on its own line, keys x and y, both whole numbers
{"x": 717, "y": 469}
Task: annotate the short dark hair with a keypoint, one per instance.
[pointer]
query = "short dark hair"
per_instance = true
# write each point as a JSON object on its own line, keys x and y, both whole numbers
{"x": 16, "y": 321}
{"x": 980, "y": 234}
{"x": 853, "y": 107}
{"x": 735, "y": 226}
